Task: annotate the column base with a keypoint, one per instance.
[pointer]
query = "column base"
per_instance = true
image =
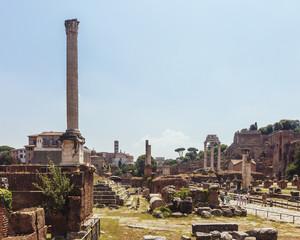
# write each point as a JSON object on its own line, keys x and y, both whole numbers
{"x": 72, "y": 147}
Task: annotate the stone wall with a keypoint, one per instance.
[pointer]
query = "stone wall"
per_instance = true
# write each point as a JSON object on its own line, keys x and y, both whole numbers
{"x": 159, "y": 183}
{"x": 25, "y": 195}
{"x": 275, "y": 150}
{"x": 4, "y": 218}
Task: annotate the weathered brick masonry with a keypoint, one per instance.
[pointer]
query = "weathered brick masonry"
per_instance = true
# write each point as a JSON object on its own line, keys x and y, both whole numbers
{"x": 25, "y": 195}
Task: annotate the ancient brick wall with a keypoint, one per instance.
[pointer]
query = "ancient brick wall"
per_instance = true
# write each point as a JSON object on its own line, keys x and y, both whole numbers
{"x": 4, "y": 218}
{"x": 159, "y": 183}
{"x": 275, "y": 150}
{"x": 25, "y": 195}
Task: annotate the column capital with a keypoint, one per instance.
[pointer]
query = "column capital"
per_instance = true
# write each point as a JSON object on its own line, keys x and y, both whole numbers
{"x": 71, "y": 25}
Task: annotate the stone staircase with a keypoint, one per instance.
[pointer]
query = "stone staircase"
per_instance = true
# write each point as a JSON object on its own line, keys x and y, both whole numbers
{"x": 106, "y": 192}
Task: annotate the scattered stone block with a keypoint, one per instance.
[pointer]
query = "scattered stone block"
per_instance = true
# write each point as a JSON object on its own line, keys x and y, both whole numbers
{"x": 216, "y": 212}
{"x": 263, "y": 233}
{"x": 225, "y": 236}
{"x": 206, "y": 214}
{"x": 23, "y": 221}
{"x": 183, "y": 237}
{"x": 227, "y": 212}
{"x": 150, "y": 237}
{"x": 239, "y": 235}
{"x": 201, "y": 209}
{"x": 158, "y": 214}
{"x": 156, "y": 202}
{"x": 203, "y": 236}
{"x": 250, "y": 238}
{"x": 215, "y": 234}
{"x": 100, "y": 205}
{"x": 177, "y": 215}
{"x": 237, "y": 213}
{"x": 209, "y": 227}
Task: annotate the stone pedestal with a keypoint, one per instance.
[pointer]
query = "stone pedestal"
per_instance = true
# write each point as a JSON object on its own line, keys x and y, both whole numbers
{"x": 72, "y": 148}
{"x": 268, "y": 183}
{"x": 282, "y": 184}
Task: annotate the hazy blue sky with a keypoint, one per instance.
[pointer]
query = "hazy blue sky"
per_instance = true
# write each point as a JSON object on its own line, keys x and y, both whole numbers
{"x": 169, "y": 71}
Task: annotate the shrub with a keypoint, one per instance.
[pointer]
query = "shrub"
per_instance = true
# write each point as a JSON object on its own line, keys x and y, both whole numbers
{"x": 6, "y": 198}
{"x": 165, "y": 211}
{"x": 183, "y": 193}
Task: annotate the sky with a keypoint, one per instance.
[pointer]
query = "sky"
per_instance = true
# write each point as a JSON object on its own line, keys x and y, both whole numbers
{"x": 168, "y": 71}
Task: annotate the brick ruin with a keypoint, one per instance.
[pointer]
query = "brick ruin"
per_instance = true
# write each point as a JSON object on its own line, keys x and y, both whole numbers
{"x": 272, "y": 153}
{"x": 25, "y": 195}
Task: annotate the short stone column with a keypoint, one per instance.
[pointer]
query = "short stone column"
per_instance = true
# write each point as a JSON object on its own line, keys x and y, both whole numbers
{"x": 212, "y": 156}
{"x": 219, "y": 157}
{"x": 205, "y": 156}
{"x": 246, "y": 171}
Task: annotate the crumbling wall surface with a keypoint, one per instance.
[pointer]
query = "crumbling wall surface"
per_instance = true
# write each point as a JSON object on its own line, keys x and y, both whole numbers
{"x": 28, "y": 223}
{"x": 4, "y": 218}
{"x": 159, "y": 183}
{"x": 25, "y": 195}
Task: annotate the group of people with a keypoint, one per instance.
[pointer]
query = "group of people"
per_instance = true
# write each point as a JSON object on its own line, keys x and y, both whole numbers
{"x": 243, "y": 199}
{"x": 225, "y": 198}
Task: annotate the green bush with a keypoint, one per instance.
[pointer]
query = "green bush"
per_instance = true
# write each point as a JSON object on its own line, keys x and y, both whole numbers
{"x": 6, "y": 198}
{"x": 165, "y": 211}
{"x": 56, "y": 187}
{"x": 183, "y": 193}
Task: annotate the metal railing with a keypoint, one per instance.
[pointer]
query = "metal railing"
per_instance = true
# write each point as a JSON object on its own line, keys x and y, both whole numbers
{"x": 275, "y": 203}
{"x": 94, "y": 231}
{"x": 293, "y": 217}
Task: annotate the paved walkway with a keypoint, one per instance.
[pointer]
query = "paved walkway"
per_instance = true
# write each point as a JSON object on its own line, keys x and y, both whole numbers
{"x": 272, "y": 213}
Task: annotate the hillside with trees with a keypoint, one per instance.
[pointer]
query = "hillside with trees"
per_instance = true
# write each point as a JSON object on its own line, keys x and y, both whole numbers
{"x": 283, "y": 124}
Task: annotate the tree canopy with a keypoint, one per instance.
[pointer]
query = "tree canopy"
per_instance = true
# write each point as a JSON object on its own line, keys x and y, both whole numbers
{"x": 284, "y": 124}
{"x": 180, "y": 151}
{"x": 140, "y": 165}
{"x": 5, "y": 148}
{"x": 6, "y": 159}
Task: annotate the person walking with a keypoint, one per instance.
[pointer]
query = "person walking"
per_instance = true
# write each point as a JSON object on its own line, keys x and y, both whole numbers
{"x": 244, "y": 199}
{"x": 239, "y": 199}
{"x": 264, "y": 200}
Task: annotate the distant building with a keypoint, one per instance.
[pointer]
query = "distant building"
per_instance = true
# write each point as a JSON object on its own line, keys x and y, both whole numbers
{"x": 237, "y": 165}
{"x": 116, "y": 156}
{"x": 160, "y": 160}
{"x": 46, "y": 146}
{"x": 18, "y": 154}
{"x": 98, "y": 162}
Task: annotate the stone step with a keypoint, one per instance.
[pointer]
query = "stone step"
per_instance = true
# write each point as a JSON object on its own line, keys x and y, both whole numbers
{"x": 101, "y": 193}
{"x": 102, "y": 189}
{"x": 106, "y": 201}
{"x": 105, "y": 197}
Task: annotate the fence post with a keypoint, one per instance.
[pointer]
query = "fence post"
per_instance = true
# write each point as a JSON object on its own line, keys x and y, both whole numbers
{"x": 280, "y": 216}
{"x": 267, "y": 214}
{"x": 293, "y": 219}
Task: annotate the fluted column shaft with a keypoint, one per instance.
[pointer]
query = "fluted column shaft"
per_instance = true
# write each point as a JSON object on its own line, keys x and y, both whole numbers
{"x": 205, "y": 156}
{"x": 212, "y": 155}
{"x": 72, "y": 74}
{"x": 219, "y": 157}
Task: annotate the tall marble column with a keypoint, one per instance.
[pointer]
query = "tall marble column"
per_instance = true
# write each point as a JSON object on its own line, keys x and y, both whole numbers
{"x": 219, "y": 156}
{"x": 212, "y": 155}
{"x": 205, "y": 156}
{"x": 246, "y": 168}
{"x": 72, "y": 74}
{"x": 72, "y": 141}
